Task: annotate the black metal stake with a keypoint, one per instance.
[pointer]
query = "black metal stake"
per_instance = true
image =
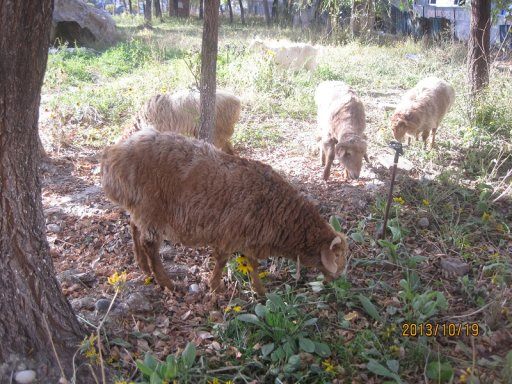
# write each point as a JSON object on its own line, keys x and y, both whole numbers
{"x": 397, "y": 146}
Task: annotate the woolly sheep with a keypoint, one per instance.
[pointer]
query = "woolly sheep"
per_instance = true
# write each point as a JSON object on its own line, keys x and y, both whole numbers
{"x": 287, "y": 54}
{"x": 341, "y": 123}
{"x": 187, "y": 191}
{"x": 421, "y": 110}
{"x": 179, "y": 113}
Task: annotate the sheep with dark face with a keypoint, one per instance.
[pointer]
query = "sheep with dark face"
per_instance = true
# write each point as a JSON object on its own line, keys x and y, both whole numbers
{"x": 421, "y": 110}
{"x": 187, "y": 191}
{"x": 179, "y": 112}
{"x": 341, "y": 125}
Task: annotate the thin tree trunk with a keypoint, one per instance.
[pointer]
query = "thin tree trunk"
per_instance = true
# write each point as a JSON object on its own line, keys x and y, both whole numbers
{"x": 147, "y": 13}
{"x": 479, "y": 42}
{"x": 201, "y": 9}
{"x": 35, "y": 317}
{"x": 267, "y": 12}
{"x": 209, "y": 69}
{"x": 130, "y": 6}
{"x": 230, "y": 12}
{"x": 275, "y": 8}
{"x": 158, "y": 9}
{"x": 242, "y": 15}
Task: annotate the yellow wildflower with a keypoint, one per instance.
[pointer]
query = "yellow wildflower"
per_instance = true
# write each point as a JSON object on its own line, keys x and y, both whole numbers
{"x": 228, "y": 308}
{"x": 465, "y": 376}
{"x": 243, "y": 265}
{"x": 117, "y": 279}
{"x": 486, "y": 216}
{"x": 399, "y": 200}
{"x": 148, "y": 280}
{"x": 395, "y": 350}
{"x": 425, "y": 202}
{"x": 237, "y": 308}
{"x": 214, "y": 381}
{"x": 328, "y": 367}
{"x": 263, "y": 274}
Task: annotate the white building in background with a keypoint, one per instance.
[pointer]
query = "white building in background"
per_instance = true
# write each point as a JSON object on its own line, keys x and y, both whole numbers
{"x": 459, "y": 15}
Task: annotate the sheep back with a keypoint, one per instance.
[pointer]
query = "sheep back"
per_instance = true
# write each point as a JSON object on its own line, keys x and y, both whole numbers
{"x": 180, "y": 113}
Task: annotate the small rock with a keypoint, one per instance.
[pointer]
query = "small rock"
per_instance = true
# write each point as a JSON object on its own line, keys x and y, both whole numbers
{"x": 54, "y": 228}
{"x": 137, "y": 302}
{"x": 25, "y": 377}
{"x": 194, "y": 288}
{"x": 454, "y": 267}
{"x": 102, "y": 305}
{"x": 423, "y": 222}
{"x": 83, "y": 303}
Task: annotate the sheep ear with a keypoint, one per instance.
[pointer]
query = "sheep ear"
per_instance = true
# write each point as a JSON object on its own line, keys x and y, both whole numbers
{"x": 329, "y": 261}
{"x": 340, "y": 149}
{"x": 336, "y": 240}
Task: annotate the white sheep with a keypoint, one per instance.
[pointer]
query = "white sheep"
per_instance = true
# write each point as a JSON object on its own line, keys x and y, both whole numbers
{"x": 421, "y": 110}
{"x": 287, "y": 54}
{"x": 188, "y": 191}
{"x": 180, "y": 112}
{"x": 341, "y": 125}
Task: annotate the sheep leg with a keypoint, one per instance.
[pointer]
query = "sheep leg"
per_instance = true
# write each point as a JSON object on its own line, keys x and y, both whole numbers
{"x": 151, "y": 245}
{"x": 256, "y": 281}
{"x": 424, "y": 137}
{"x": 330, "y": 159}
{"x": 433, "y": 143}
{"x": 228, "y": 148}
{"x": 140, "y": 257}
{"x": 322, "y": 155}
{"x": 221, "y": 258}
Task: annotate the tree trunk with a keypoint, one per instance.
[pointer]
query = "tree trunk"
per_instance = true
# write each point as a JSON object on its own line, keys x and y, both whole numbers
{"x": 158, "y": 9}
{"x": 479, "y": 42}
{"x": 242, "y": 15}
{"x": 147, "y": 12}
{"x": 130, "y": 6}
{"x": 275, "y": 8}
{"x": 267, "y": 12}
{"x": 230, "y": 12}
{"x": 208, "y": 69}
{"x": 35, "y": 316}
{"x": 201, "y": 9}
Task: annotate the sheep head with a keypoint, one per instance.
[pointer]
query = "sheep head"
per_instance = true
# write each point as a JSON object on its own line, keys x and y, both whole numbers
{"x": 351, "y": 153}
{"x": 399, "y": 125}
{"x": 332, "y": 257}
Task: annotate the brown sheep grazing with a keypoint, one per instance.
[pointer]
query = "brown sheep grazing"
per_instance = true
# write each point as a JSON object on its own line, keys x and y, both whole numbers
{"x": 179, "y": 113}
{"x": 187, "y": 191}
{"x": 421, "y": 110}
{"x": 341, "y": 125}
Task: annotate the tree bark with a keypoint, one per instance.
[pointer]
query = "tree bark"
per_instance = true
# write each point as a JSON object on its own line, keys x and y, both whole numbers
{"x": 147, "y": 12}
{"x": 275, "y": 9}
{"x": 267, "y": 12}
{"x": 35, "y": 316}
{"x": 158, "y": 9}
{"x": 201, "y": 9}
{"x": 130, "y": 6}
{"x": 209, "y": 69}
{"x": 479, "y": 42}
{"x": 230, "y": 12}
{"x": 242, "y": 15}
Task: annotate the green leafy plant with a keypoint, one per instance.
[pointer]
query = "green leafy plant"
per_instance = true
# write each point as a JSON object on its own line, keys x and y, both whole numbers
{"x": 174, "y": 367}
{"x": 283, "y": 330}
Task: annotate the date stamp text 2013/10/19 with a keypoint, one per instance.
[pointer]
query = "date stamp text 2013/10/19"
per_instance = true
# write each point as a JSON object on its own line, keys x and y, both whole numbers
{"x": 440, "y": 329}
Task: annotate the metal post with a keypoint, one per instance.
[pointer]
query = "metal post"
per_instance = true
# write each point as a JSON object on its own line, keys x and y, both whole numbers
{"x": 397, "y": 146}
